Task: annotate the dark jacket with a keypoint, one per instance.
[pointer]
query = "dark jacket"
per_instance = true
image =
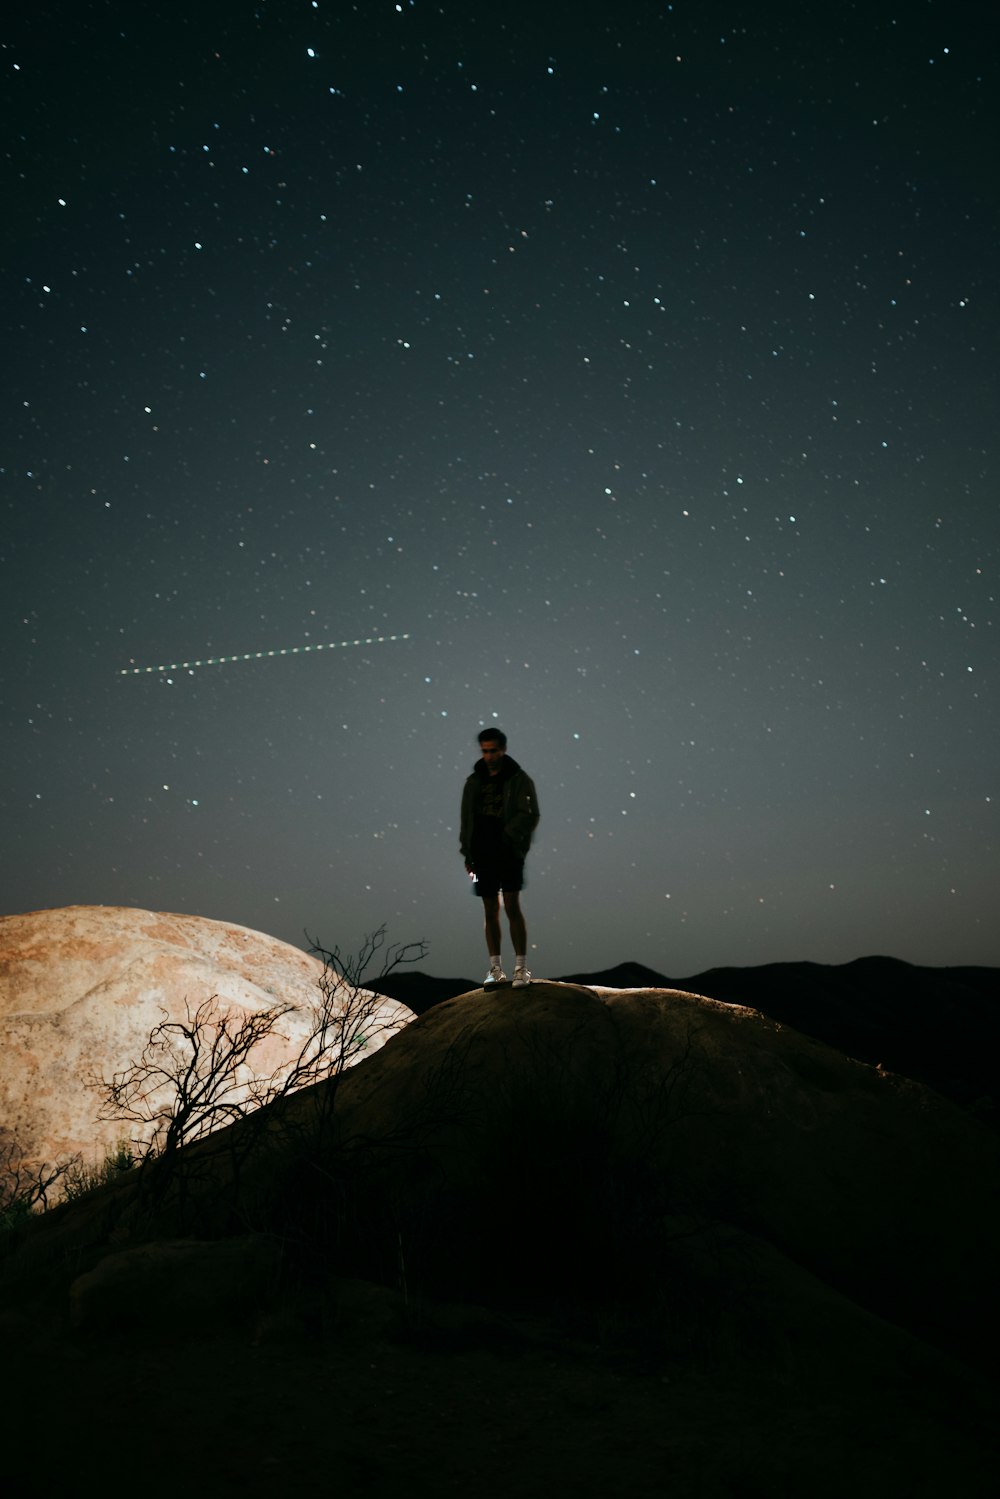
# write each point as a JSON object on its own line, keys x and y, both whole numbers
{"x": 520, "y": 806}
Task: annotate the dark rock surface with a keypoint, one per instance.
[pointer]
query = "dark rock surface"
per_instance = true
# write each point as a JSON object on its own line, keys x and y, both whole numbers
{"x": 703, "y": 1109}
{"x": 938, "y": 1025}
{"x": 564, "y": 1240}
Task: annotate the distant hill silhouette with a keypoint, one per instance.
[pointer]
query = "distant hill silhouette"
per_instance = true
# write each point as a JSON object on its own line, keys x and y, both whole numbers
{"x": 938, "y": 1025}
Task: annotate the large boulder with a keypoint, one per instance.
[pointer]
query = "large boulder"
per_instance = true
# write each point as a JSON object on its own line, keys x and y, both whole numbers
{"x": 192, "y": 1285}
{"x": 720, "y": 1246}
{"x": 569, "y": 1136}
{"x": 670, "y": 1158}
{"x": 82, "y": 987}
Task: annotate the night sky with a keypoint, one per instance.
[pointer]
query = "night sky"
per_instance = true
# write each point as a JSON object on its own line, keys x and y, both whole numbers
{"x": 635, "y": 362}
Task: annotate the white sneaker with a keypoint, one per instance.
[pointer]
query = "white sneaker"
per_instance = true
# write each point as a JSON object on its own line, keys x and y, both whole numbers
{"x": 496, "y": 975}
{"x": 522, "y": 978}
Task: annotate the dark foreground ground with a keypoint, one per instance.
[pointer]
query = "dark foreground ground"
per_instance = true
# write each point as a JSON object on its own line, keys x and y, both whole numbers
{"x": 367, "y": 1394}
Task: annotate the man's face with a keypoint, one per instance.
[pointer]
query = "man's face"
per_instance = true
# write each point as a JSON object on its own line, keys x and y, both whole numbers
{"x": 493, "y": 753}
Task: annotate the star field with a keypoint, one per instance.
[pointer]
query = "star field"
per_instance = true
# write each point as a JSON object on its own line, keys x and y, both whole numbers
{"x": 622, "y": 375}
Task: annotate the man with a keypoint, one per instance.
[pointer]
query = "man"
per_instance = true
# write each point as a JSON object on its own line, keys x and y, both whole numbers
{"x": 499, "y": 815}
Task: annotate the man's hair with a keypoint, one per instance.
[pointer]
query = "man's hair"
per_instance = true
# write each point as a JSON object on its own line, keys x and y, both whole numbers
{"x": 497, "y": 734}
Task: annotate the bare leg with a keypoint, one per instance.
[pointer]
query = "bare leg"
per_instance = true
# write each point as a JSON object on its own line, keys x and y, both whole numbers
{"x": 491, "y": 923}
{"x": 518, "y": 932}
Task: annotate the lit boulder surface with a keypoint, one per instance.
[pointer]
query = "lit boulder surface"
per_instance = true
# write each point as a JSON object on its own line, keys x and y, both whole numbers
{"x": 81, "y": 988}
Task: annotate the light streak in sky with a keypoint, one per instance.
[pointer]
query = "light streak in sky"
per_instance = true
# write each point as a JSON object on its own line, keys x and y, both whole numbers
{"x": 288, "y": 650}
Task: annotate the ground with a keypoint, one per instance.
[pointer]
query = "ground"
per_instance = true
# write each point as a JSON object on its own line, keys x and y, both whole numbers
{"x": 384, "y": 1399}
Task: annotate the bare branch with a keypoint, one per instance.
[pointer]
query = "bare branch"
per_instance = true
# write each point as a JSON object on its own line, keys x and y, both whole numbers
{"x": 198, "y": 1073}
{"x": 25, "y": 1185}
{"x": 194, "y": 1075}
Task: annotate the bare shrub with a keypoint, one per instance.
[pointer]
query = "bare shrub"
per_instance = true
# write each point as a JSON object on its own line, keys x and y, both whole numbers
{"x": 193, "y": 1076}
{"x": 205, "y": 1071}
{"x": 82, "y": 1179}
{"x": 25, "y": 1185}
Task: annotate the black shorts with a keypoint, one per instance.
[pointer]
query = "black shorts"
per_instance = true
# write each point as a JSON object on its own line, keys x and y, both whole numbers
{"x": 501, "y": 872}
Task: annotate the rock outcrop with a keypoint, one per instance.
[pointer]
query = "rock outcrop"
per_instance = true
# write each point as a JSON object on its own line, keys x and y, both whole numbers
{"x": 82, "y": 987}
{"x": 700, "y": 1172}
{"x": 567, "y": 1132}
